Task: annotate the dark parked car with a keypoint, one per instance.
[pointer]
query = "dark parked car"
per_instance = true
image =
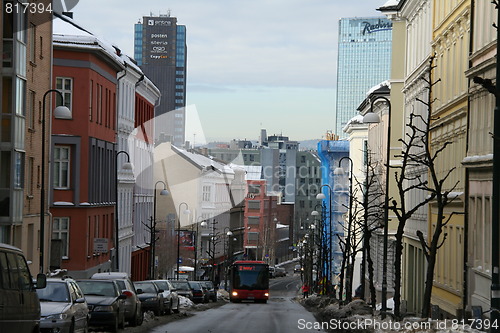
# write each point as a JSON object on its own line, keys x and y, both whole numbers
{"x": 151, "y": 296}
{"x": 182, "y": 287}
{"x": 64, "y": 308}
{"x": 200, "y": 295}
{"x": 106, "y": 303}
{"x": 212, "y": 293}
{"x": 133, "y": 305}
{"x": 170, "y": 297}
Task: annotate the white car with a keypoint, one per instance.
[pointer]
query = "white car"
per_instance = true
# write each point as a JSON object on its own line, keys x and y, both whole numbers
{"x": 63, "y": 307}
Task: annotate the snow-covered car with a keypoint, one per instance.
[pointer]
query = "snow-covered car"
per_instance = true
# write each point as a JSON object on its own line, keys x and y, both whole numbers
{"x": 170, "y": 297}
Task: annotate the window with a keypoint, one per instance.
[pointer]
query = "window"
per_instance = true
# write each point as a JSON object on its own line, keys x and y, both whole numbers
{"x": 30, "y": 114}
{"x": 253, "y": 236}
{"x": 253, "y": 204}
{"x": 61, "y": 167}
{"x": 206, "y": 193}
{"x": 60, "y": 230}
{"x": 254, "y": 220}
{"x": 65, "y": 86}
{"x": 32, "y": 42}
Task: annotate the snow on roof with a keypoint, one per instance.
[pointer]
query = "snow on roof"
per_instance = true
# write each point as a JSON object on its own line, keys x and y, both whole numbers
{"x": 253, "y": 172}
{"x": 66, "y": 32}
{"x": 390, "y": 3}
{"x": 203, "y": 161}
{"x": 385, "y": 83}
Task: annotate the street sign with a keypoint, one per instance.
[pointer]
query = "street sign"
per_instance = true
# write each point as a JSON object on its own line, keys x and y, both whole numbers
{"x": 100, "y": 245}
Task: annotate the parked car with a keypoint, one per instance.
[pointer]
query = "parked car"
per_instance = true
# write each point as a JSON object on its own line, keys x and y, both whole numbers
{"x": 63, "y": 307}
{"x": 106, "y": 303}
{"x": 133, "y": 305}
{"x": 279, "y": 272}
{"x": 151, "y": 296}
{"x": 182, "y": 287}
{"x": 212, "y": 293}
{"x": 271, "y": 272}
{"x": 297, "y": 269}
{"x": 200, "y": 295}
{"x": 170, "y": 297}
{"x": 19, "y": 304}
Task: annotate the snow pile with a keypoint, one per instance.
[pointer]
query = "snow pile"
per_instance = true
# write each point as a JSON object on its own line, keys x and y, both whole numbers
{"x": 222, "y": 295}
{"x": 185, "y": 302}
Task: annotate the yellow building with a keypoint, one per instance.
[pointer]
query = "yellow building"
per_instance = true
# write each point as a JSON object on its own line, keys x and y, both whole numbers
{"x": 450, "y": 44}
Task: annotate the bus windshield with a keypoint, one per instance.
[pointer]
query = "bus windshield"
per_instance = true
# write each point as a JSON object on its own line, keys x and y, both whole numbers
{"x": 250, "y": 276}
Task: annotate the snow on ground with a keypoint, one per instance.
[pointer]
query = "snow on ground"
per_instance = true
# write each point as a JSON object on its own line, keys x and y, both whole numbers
{"x": 185, "y": 302}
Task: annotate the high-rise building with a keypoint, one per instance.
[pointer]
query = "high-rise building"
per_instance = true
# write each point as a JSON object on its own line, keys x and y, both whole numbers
{"x": 160, "y": 50}
{"x": 364, "y": 59}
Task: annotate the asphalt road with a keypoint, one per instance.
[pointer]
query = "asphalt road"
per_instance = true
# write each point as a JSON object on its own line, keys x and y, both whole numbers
{"x": 281, "y": 314}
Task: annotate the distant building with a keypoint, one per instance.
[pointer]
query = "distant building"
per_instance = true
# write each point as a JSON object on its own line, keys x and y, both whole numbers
{"x": 160, "y": 50}
{"x": 364, "y": 60}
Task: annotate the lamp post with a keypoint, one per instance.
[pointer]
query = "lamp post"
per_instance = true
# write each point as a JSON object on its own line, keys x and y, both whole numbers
{"x": 178, "y": 235}
{"x": 153, "y": 226}
{"x": 211, "y": 246}
{"x": 371, "y": 118}
{"x": 228, "y": 233}
{"x": 126, "y": 166}
{"x": 196, "y": 250}
{"x": 319, "y": 258}
{"x": 59, "y": 112}
{"x": 328, "y": 254}
{"x": 339, "y": 171}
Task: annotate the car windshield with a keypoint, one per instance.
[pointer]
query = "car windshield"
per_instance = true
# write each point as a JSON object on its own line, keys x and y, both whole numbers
{"x": 146, "y": 287}
{"x": 98, "y": 288}
{"x": 180, "y": 285}
{"x": 195, "y": 285}
{"x": 162, "y": 285}
{"x": 54, "y": 292}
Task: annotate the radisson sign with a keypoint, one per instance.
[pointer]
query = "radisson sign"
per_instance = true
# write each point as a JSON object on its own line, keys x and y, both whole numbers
{"x": 369, "y": 27}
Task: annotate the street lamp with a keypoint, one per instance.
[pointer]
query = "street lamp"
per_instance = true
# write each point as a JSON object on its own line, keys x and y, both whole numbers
{"x": 178, "y": 235}
{"x": 153, "y": 226}
{"x": 126, "y": 166}
{"x": 196, "y": 249}
{"x": 340, "y": 171}
{"x": 228, "y": 233}
{"x": 59, "y": 112}
{"x": 328, "y": 255}
{"x": 372, "y": 118}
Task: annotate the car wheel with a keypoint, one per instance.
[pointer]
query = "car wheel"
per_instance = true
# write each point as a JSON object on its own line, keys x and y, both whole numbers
{"x": 72, "y": 326}
{"x": 177, "y": 309}
{"x": 169, "y": 310}
{"x": 121, "y": 323}
{"x": 159, "y": 309}
{"x": 114, "y": 328}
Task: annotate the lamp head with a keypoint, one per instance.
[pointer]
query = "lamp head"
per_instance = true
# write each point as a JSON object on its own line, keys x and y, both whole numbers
{"x": 314, "y": 213}
{"x": 338, "y": 171}
{"x": 127, "y": 166}
{"x": 62, "y": 112}
{"x": 371, "y": 118}
{"x": 320, "y": 196}
{"x": 164, "y": 192}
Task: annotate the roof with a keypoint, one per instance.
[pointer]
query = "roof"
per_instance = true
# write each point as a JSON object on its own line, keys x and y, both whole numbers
{"x": 202, "y": 161}
{"x": 67, "y": 33}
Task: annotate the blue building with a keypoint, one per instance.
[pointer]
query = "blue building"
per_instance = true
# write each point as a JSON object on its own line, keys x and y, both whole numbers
{"x": 364, "y": 60}
{"x": 334, "y": 204}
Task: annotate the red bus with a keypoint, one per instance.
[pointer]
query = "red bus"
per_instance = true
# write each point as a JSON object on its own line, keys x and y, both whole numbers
{"x": 249, "y": 281}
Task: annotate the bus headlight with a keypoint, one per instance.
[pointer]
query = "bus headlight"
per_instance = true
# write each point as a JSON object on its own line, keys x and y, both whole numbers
{"x": 266, "y": 294}
{"x": 234, "y": 293}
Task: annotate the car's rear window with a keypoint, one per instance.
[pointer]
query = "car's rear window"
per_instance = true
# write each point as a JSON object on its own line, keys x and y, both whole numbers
{"x": 180, "y": 285}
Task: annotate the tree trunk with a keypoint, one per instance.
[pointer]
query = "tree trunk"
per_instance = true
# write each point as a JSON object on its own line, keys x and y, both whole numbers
{"x": 398, "y": 253}
{"x": 373, "y": 292}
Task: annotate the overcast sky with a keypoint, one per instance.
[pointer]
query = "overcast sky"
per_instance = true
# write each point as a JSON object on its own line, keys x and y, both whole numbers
{"x": 251, "y": 64}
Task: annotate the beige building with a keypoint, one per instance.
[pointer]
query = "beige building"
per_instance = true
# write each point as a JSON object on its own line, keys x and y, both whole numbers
{"x": 479, "y": 159}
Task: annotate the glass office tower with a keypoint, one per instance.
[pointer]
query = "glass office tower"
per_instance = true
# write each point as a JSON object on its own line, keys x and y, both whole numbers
{"x": 160, "y": 50}
{"x": 364, "y": 60}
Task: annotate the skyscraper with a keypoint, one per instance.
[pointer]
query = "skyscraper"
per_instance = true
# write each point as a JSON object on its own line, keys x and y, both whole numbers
{"x": 364, "y": 60}
{"x": 160, "y": 50}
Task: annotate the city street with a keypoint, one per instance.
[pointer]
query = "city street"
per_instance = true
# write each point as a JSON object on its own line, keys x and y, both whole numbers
{"x": 281, "y": 314}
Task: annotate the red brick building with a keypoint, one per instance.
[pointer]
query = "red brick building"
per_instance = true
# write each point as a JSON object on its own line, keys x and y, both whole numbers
{"x": 83, "y": 149}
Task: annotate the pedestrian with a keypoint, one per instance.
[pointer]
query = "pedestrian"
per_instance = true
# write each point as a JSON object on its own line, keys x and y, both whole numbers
{"x": 305, "y": 290}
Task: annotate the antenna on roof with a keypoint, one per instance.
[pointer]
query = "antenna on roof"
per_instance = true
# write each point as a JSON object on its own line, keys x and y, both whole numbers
{"x": 168, "y": 12}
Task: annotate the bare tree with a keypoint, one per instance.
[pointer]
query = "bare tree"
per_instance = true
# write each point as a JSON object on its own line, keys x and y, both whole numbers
{"x": 372, "y": 216}
{"x": 437, "y": 188}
